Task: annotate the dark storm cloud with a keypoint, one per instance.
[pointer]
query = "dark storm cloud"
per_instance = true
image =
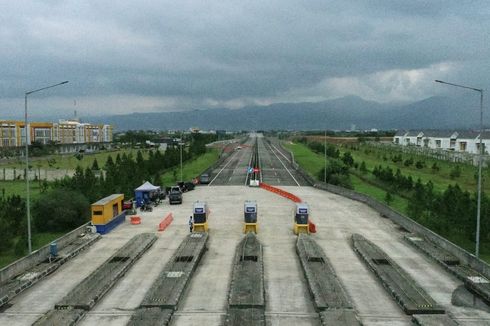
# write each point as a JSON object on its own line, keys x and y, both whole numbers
{"x": 178, "y": 55}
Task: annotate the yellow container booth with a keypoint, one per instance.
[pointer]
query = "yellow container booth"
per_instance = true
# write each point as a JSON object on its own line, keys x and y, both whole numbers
{"x": 107, "y": 213}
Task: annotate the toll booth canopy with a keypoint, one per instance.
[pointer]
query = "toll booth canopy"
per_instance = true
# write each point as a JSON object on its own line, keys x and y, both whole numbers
{"x": 301, "y": 213}
{"x": 250, "y": 211}
{"x": 200, "y": 212}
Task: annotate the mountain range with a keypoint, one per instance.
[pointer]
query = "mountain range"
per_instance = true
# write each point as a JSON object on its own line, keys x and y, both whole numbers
{"x": 339, "y": 114}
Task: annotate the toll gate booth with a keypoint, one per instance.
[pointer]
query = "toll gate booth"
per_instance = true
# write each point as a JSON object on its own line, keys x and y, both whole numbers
{"x": 250, "y": 216}
{"x": 301, "y": 216}
{"x": 200, "y": 212}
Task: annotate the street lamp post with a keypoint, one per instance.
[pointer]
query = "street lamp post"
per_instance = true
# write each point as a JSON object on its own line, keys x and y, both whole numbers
{"x": 325, "y": 157}
{"x": 26, "y": 132}
{"x": 480, "y": 157}
{"x": 181, "y": 143}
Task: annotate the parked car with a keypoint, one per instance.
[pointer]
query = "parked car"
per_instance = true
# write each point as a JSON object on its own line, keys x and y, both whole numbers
{"x": 127, "y": 204}
{"x": 204, "y": 178}
{"x": 175, "y": 195}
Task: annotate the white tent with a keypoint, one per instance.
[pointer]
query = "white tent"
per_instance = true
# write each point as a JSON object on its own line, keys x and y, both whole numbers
{"x": 144, "y": 192}
{"x": 147, "y": 186}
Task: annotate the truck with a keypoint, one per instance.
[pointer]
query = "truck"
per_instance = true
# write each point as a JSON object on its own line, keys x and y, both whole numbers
{"x": 175, "y": 195}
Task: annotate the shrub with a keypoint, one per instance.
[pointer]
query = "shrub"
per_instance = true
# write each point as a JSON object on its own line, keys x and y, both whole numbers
{"x": 61, "y": 210}
{"x": 419, "y": 164}
{"x": 455, "y": 172}
{"x": 408, "y": 162}
{"x": 435, "y": 167}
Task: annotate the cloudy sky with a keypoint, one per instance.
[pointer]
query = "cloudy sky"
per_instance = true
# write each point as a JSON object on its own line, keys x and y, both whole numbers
{"x": 140, "y": 56}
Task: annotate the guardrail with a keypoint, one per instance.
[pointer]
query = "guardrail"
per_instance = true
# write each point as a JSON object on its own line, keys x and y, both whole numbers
{"x": 19, "y": 266}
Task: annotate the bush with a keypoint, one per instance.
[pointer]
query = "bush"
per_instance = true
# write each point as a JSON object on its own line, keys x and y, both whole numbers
{"x": 363, "y": 168}
{"x": 419, "y": 165}
{"x": 337, "y": 173}
{"x": 61, "y": 210}
{"x": 435, "y": 167}
{"x": 408, "y": 162}
{"x": 348, "y": 159}
{"x": 455, "y": 172}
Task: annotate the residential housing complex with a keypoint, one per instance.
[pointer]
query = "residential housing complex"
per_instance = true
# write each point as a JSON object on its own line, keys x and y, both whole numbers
{"x": 69, "y": 134}
{"x": 465, "y": 141}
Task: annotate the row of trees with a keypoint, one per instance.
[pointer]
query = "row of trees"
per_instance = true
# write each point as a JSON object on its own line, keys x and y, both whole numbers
{"x": 65, "y": 205}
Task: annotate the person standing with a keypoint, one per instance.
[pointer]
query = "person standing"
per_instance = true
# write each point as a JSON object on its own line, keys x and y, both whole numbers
{"x": 191, "y": 224}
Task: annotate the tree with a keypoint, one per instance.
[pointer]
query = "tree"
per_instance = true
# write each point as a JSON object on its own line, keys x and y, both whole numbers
{"x": 363, "y": 168}
{"x": 60, "y": 210}
{"x": 455, "y": 172}
{"x": 95, "y": 165}
{"x": 348, "y": 159}
{"x": 388, "y": 198}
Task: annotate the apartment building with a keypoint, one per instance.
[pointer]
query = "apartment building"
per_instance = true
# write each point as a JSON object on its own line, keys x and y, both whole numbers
{"x": 64, "y": 132}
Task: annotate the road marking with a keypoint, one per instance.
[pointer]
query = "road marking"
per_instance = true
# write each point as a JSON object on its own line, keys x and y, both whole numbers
{"x": 285, "y": 167}
{"x": 229, "y": 161}
{"x": 281, "y": 153}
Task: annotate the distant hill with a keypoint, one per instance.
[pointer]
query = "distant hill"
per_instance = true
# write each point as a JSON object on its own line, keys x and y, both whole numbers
{"x": 337, "y": 114}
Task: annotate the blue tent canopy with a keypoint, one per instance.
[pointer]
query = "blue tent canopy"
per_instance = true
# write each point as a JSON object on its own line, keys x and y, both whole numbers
{"x": 145, "y": 192}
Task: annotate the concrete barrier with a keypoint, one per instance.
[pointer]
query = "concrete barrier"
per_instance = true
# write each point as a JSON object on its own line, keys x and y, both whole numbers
{"x": 402, "y": 220}
{"x": 19, "y": 266}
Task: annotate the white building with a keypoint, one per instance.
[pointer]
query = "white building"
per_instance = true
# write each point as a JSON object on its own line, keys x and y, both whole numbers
{"x": 458, "y": 141}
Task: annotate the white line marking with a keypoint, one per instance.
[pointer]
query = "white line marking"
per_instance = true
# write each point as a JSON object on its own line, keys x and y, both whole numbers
{"x": 284, "y": 166}
{"x": 224, "y": 167}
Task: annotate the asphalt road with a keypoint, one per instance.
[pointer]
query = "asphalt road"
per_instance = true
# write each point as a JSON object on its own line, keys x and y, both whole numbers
{"x": 275, "y": 165}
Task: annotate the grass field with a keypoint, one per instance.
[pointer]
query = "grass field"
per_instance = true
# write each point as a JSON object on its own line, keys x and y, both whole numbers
{"x": 69, "y": 161}
{"x": 18, "y": 187}
{"x": 191, "y": 169}
{"x": 441, "y": 179}
{"x": 313, "y": 163}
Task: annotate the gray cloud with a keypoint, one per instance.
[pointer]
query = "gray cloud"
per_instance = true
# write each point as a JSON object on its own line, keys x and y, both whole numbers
{"x": 129, "y": 56}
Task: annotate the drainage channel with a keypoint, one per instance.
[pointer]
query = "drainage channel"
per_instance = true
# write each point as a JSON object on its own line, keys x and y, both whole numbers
{"x": 329, "y": 298}
{"x": 409, "y": 295}
{"x": 163, "y": 298}
{"x": 246, "y": 300}
{"x": 87, "y": 293}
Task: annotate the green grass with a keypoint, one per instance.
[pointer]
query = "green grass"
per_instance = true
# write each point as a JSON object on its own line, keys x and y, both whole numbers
{"x": 38, "y": 240}
{"x": 310, "y": 161}
{"x": 69, "y": 161}
{"x": 399, "y": 204}
{"x": 441, "y": 179}
{"x": 18, "y": 187}
{"x": 191, "y": 169}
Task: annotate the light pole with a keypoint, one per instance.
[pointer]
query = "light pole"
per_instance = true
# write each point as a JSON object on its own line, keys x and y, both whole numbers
{"x": 478, "y": 207}
{"x": 181, "y": 143}
{"x": 325, "y": 158}
{"x": 26, "y": 132}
